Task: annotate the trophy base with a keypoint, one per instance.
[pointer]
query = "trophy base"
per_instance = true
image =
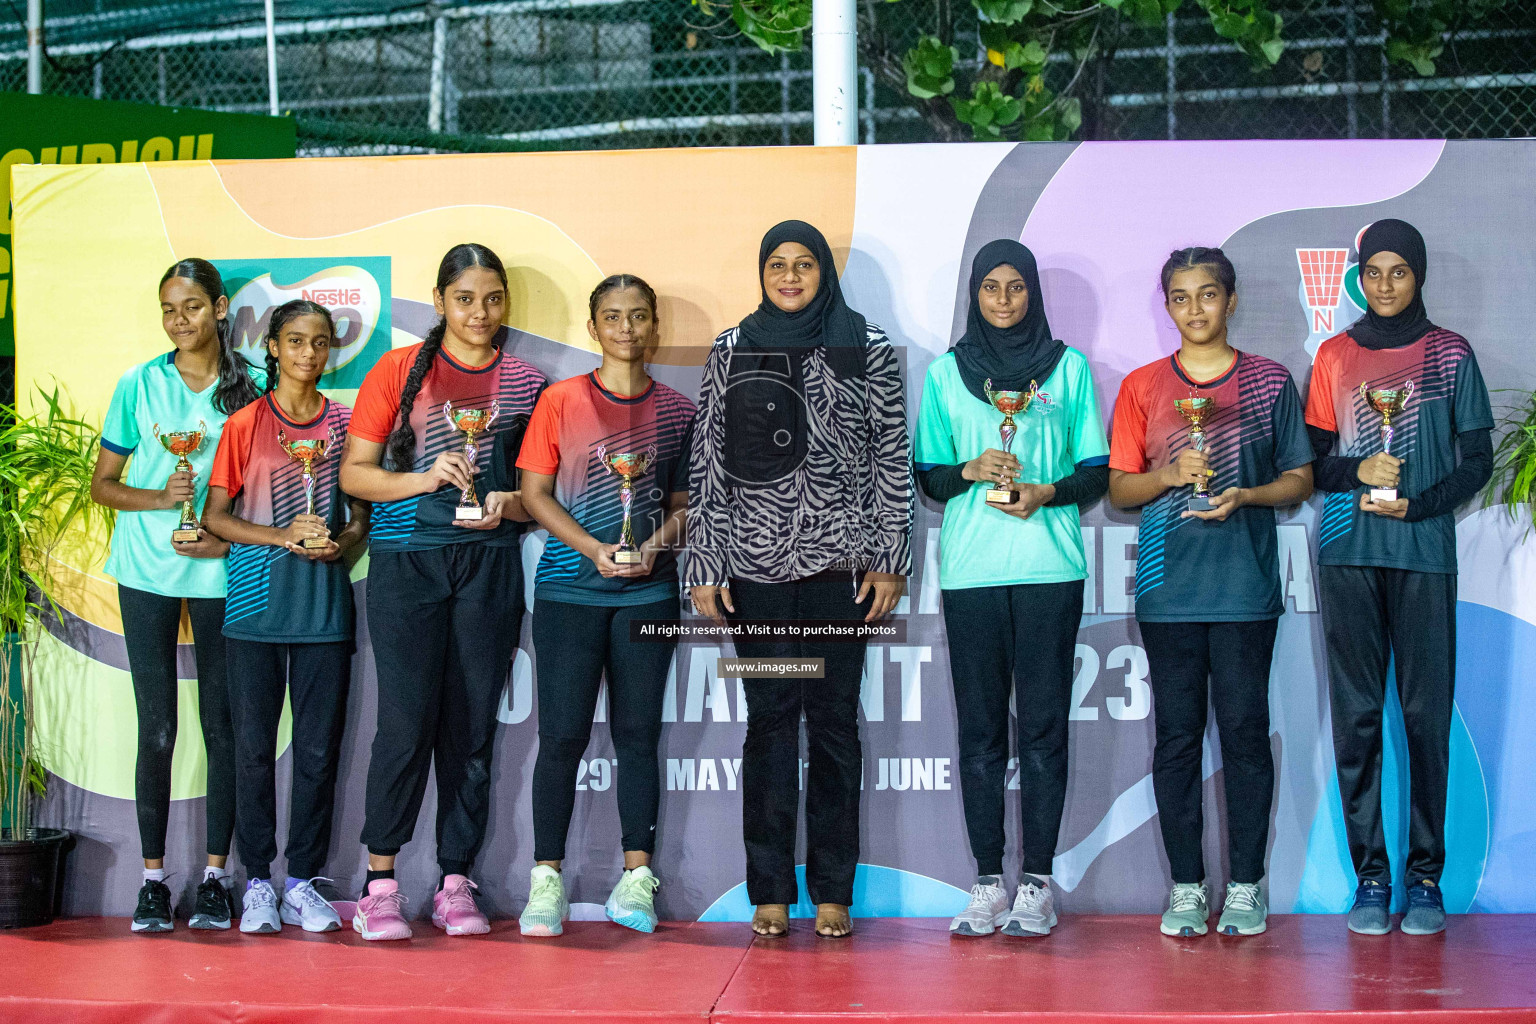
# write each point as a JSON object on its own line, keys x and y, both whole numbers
{"x": 999, "y": 496}
{"x": 471, "y": 512}
{"x": 313, "y": 543}
{"x": 184, "y": 536}
{"x": 1383, "y": 493}
{"x": 1200, "y": 502}
{"x": 627, "y": 558}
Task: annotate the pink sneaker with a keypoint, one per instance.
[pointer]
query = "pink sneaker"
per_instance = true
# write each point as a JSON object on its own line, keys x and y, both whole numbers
{"x": 454, "y": 909}
{"x": 381, "y": 914}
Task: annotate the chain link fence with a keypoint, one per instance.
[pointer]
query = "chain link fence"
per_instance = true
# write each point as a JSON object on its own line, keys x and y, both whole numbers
{"x": 372, "y": 77}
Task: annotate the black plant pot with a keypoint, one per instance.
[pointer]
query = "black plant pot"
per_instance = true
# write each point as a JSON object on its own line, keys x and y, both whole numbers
{"x": 31, "y": 876}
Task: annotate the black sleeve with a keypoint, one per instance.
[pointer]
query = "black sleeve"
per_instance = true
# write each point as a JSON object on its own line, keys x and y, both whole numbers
{"x": 1086, "y": 483}
{"x": 1476, "y": 466}
{"x": 1332, "y": 472}
{"x": 942, "y": 483}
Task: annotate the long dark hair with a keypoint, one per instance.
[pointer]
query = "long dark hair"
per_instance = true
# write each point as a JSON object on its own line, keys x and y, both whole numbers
{"x": 235, "y": 389}
{"x": 281, "y": 317}
{"x": 402, "y": 440}
{"x": 1210, "y": 258}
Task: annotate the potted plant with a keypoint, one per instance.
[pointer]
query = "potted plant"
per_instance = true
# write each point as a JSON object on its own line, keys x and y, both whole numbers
{"x": 1514, "y": 461}
{"x": 46, "y": 460}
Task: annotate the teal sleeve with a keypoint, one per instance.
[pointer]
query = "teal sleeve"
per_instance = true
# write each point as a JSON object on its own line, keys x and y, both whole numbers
{"x": 1089, "y": 441}
{"x": 120, "y": 430}
{"x": 935, "y": 441}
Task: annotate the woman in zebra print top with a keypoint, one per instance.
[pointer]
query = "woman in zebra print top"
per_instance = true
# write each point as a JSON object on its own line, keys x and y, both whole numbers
{"x": 800, "y": 507}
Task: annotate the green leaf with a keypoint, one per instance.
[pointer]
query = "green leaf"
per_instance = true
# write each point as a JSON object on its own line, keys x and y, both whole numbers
{"x": 1071, "y": 117}
{"x": 1003, "y": 12}
{"x": 1229, "y": 25}
{"x": 1272, "y": 49}
{"x": 929, "y": 66}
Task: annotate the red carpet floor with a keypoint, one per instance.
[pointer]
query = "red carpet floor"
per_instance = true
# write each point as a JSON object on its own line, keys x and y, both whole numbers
{"x": 1100, "y": 970}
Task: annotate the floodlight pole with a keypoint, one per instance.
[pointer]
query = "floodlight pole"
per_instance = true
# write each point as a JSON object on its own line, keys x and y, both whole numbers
{"x": 271, "y": 60}
{"x": 834, "y": 71}
{"x": 34, "y": 46}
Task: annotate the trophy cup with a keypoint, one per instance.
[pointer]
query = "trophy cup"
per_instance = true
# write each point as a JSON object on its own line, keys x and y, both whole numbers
{"x": 1389, "y": 402}
{"x": 627, "y": 465}
{"x": 182, "y": 443}
{"x": 306, "y": 452}
{"x": 1195, "y": 409}
{"x": 470, "y": 422}
{"x": 1008, "y": 403}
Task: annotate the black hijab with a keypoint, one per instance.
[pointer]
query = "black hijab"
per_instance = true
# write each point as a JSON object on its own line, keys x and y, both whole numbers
{"x": 1010, "y": 357}
{"x": 1374, "y": 331}
{"x": 767, "y": 425}
{"x": 825, "y": 322}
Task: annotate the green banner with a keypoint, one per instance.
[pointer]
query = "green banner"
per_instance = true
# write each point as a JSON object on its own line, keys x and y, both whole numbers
{"x": 67, "y": 130}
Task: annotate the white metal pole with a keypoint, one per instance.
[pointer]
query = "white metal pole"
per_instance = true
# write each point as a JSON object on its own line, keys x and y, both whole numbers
{"x": 34, "y": 46}
{"x": 271, "y": 60}
{"x": 439, "y": 69}
{"x": 835, "y": 69}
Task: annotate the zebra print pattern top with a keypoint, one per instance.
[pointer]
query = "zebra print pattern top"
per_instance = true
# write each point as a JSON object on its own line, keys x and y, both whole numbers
{"x": 848, "y": 506}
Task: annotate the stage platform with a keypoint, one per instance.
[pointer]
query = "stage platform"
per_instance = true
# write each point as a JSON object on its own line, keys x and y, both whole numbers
{"x": 1094, "y": 969}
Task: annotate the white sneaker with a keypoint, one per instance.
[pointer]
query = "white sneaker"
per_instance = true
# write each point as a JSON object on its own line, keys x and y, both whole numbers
{"x": 303, "y": 905}
{"x": 547, "y": 909}
{"x": 985, "y": 913}
{"x": 1033, "y": 913}
{"x": 258, "y": 915}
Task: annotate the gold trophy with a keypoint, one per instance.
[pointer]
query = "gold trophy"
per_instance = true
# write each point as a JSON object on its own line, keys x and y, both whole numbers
{"x": 1008, "y": 403}
{"x": 627, "y": 465}
{"x": 1195, "y": 409}
{"x": 182, "y": 443}
{"x": 470, "y": 422}
{"x": 1389, "y": 402}
{"x": 306, "y": 452}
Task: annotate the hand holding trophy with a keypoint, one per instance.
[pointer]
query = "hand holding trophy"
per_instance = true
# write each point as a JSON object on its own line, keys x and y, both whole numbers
{"x": 627, "y": 465}
{"x": 1196, "y": 409}
{"x": 1388, "y": 402}
{"x": 306, "y": 452}
{"x": 471, "y": 423}
{"x": 182, "y": 443}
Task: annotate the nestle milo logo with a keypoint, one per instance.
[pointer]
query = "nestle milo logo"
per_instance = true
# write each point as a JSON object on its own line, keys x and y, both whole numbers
{"x": 354, "y": 289}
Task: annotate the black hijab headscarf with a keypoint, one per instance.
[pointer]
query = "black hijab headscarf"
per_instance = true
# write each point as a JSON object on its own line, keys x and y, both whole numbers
{"x": 767, "y": 426}
{"x": 1374, "y": 331}
{"x": 1010, "y": 357}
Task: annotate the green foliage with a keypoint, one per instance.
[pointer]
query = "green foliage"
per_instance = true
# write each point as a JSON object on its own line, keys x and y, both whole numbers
{"x": 988, "y": 111}
{"x": 1514, "y": 461}
{"x": 46, "y": 462}
{"x": 929, "y": 66}
{"x": 774, "y": 25}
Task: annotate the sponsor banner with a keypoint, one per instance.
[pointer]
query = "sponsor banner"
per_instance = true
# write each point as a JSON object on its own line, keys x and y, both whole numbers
{"x": 904, "y": 222}
{"x": 355, "y": 290}
{"x": 69, "y": 130}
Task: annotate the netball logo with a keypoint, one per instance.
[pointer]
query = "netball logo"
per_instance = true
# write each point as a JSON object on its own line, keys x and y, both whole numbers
{"x": 1330, "y": 293}
{"x": 356, "y": 291}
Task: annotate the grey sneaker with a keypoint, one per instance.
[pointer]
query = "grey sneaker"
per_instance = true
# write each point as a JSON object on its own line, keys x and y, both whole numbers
{"x": 1188, "y": 909}
{"x": 1370, "y": 915}
{"x": 1033, "y": 911}
{"x": 1426, "y": 909}
{"x": 260, "y": 915}
{"x": 304, "y": 906}
{"x": 984, "y": 914}
{"x": 1243, "y": 912}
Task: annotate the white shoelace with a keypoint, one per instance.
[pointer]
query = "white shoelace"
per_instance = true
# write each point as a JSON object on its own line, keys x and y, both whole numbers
{"x": 1182, "y": 899}
{"x": 984, "y": 896}
{"x": 1241, "y": 896}
{"x": 309, "y": 896}
{"x": 1030, "y": 897}
{"x": 261, "y": 897}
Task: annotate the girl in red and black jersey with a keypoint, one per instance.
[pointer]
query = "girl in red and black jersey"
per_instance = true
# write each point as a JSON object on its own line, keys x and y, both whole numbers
{"x": 288, "y": 613}
{"x": 444, "y": 589}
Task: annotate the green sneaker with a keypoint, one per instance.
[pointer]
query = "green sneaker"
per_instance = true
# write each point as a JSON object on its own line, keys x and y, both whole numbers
{"x": 1187, "y": 910}
{"x": 547, "y": 908}
{"x": 1243, "y": 912}
{"x": 632, "y": 903}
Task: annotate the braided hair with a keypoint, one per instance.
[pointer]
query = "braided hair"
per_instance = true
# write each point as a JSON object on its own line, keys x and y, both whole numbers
{"x": 235, "y": 388}
{"x": 402, "y": 440}
{"x": 282, "y": 316}
{"x": 1211, "y": 259}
